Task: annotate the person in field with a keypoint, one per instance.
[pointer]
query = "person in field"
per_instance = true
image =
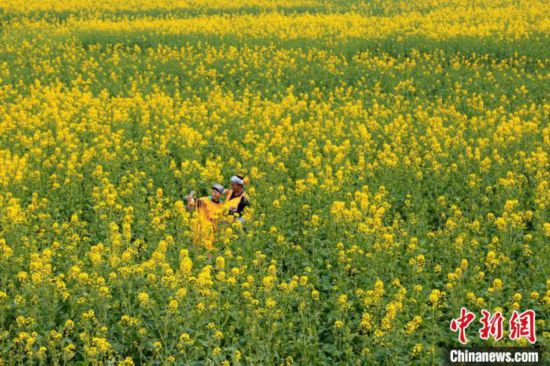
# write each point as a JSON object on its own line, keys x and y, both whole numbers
{"x": 237, "y": 200}
{"x": 204, "y": 225}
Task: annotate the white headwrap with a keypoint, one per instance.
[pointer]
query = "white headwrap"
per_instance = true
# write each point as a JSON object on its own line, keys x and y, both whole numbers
{"x": 235, "y": 179}
{"x": 218, "y": 187}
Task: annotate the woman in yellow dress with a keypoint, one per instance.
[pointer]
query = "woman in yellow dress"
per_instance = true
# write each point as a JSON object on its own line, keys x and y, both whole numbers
{"x": 204, "y": 224}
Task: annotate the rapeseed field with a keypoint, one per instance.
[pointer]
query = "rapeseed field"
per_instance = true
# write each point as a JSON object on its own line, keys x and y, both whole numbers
{"x": 395, "y": 155}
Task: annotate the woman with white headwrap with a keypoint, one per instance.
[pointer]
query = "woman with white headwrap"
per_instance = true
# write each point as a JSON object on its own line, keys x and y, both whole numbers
{"x": 237, "y": 200}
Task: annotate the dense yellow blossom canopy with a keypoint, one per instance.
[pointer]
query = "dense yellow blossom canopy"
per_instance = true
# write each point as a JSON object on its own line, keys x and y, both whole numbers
{"x": 397, "y": 154}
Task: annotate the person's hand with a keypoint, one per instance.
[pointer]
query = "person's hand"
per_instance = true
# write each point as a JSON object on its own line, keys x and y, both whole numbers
{"x": 191, "y": 199}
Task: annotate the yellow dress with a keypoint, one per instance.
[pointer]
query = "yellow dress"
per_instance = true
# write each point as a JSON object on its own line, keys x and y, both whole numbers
{"x": 232, "y": 204}
{"x": 204, "y": 223}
